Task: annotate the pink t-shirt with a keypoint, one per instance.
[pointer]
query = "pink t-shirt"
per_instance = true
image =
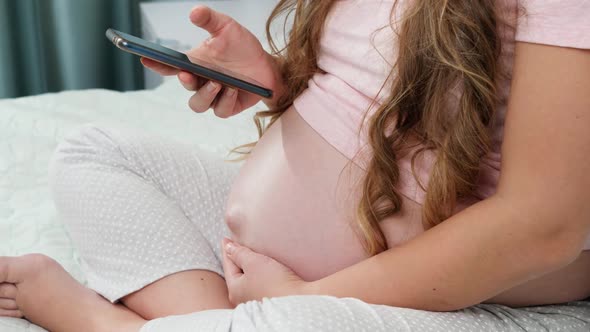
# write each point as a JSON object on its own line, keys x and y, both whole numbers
{"x": 357, "y": 53}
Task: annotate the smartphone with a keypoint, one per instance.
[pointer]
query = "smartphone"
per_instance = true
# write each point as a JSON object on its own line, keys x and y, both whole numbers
{"x": 172, "y": 58}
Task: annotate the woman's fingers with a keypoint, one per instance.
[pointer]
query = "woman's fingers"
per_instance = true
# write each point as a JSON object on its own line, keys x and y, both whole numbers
{"x": 159, "y": 68}
{"x": 206, "y": 96}
{"x": 207, "y": 93}
{"x": 208, "y": 19}
{"x": 230, "y": 268}
{"x": 190, "y": 81}
{"x": 202, "y": 100}
{"x": 226, "y": 104}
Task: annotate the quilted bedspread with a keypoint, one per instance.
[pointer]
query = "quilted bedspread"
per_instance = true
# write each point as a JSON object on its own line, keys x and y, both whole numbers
{"x": 30, "y": 129}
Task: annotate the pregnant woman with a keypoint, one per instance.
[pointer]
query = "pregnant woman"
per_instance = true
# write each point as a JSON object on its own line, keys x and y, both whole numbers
{"x": 423, "y": 154}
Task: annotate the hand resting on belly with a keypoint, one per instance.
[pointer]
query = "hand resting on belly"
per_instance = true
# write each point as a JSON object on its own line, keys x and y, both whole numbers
{"x": 295, "y": 200}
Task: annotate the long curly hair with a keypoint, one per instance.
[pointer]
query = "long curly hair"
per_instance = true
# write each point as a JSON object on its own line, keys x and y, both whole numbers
{"x": 443, "y": 46}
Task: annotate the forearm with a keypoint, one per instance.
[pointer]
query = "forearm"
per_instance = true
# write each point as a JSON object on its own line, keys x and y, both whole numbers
{"x": 80, "y": 309}
{"x": 122, "y": 319}
{"x": 91, "y": 312}
{"x": 104, "y": 316}
{"x": 469, "y": 258}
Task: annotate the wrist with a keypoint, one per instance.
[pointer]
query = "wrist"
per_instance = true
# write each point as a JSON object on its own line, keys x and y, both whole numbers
{"x": 278, "y": 88}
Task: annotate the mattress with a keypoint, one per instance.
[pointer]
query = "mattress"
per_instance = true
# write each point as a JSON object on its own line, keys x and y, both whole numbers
{"x": 30, "y": 129}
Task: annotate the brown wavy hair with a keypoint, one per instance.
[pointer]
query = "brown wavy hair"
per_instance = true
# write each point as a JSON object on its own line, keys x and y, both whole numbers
{"x": 443, "y": 46}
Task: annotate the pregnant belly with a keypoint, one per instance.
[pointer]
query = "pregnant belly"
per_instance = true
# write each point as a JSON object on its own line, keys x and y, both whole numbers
{"x": 294, "y": 200}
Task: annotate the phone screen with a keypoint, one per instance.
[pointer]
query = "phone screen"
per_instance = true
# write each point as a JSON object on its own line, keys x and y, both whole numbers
{"x": 182, "y": 61}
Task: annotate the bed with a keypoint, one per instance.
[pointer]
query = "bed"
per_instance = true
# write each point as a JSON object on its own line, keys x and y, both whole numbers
{"x": 30, "y": 129}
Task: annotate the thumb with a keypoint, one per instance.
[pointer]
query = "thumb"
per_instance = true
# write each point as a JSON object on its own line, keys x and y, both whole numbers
{"x": 242, "y": 257}
{"x": 230, "y": 268}
{"x": 208, "y": 19}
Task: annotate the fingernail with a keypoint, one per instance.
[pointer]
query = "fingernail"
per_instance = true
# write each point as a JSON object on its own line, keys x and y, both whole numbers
{"x": 231, "y": 92}
{"x": 230, "y": 248}
{"x": 209, "y": 41}
{"x": 212, "y": 86}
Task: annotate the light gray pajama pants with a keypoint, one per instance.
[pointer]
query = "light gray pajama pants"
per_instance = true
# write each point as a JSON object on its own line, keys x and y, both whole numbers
{"x": 139, "y": 208}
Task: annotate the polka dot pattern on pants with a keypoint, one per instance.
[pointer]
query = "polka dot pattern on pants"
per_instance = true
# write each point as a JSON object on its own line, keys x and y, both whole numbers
{"x": 139, "y": 207}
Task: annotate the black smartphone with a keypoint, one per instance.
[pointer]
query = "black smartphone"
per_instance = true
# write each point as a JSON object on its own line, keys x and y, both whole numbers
{"x": 172, "y": 58}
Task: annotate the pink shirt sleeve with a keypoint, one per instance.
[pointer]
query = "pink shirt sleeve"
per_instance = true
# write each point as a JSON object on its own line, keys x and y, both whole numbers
{"x": 563, "y": 23}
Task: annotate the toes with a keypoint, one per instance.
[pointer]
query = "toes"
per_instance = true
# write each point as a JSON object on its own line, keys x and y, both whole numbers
{"x": 4, "y": 268}
{"x": 11, "y": 313}
{"x": 7, "y": 291}
{"x": 7, "y": 269}
{"x": 8, "y": 304}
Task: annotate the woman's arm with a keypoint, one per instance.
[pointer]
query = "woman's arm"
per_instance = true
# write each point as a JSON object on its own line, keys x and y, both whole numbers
{"x": 536, "y": 223}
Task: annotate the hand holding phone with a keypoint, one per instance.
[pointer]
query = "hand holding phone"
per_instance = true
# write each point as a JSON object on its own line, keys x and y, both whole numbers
{"x": 233, "y": 47}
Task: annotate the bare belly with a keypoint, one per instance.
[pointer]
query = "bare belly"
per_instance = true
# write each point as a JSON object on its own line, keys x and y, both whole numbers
{"x": 295, "y": 200}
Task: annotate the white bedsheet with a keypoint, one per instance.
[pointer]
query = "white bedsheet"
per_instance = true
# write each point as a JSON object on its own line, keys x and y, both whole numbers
{"x": 30, "y": 129}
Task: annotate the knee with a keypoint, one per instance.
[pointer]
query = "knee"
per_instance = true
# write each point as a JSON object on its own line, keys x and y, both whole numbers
{"x": 89, "y": 144}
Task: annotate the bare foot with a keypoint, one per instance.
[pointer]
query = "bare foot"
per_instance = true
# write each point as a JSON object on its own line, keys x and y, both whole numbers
{"x": 38, "y": 288}
{"x": 8, "y": 307}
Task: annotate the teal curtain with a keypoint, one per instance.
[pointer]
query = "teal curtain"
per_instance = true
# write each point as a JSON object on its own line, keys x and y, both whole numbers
{"x": 54, "y": 45}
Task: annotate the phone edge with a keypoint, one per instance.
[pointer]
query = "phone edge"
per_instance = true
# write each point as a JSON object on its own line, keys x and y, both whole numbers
{"x": 137, "y": 49}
